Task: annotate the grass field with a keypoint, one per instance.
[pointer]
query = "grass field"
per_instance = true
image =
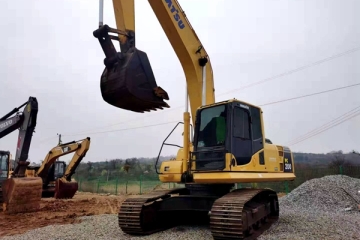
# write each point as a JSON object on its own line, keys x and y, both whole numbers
{"x": 129, "y": 187}
{"x": 139, "y": 187}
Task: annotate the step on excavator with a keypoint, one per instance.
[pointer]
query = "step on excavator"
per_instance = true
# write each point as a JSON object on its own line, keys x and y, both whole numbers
{"x": 19, "y": 193}
{"x": 228, "y": 145}
{"x": 56, "y": 177}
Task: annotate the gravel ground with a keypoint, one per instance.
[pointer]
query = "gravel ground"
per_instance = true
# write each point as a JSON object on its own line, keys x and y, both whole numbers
{"x": 318, "y": 209}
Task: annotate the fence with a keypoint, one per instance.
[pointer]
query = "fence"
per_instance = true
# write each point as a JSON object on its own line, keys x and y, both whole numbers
{"x": 146, "y": 183}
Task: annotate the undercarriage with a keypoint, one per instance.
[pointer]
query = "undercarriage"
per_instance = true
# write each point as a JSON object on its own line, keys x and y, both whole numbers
{"x": 231, "y": 213}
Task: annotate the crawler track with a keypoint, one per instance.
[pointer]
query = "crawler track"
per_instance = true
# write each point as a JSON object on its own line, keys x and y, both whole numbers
{"x": 243, "y": 214}
{"x": 1, "y": 196}
{"x": 138, "y": 216}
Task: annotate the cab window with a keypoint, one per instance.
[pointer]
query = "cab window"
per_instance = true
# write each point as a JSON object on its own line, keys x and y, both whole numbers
{"x": 241, "y": 123}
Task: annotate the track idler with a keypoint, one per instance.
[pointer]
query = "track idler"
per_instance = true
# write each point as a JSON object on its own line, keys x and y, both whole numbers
{"x": 22, "y": 194}
{"x": 65, "y": 189}
{"x": 128, "y": 81}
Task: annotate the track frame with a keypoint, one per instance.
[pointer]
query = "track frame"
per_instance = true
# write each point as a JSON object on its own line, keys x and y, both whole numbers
{"x": 232, "y": 213}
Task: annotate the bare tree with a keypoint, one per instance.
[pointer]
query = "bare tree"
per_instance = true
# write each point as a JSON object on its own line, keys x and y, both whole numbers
{"x": 355, "y": 152}
{"x": 338, "y": 160}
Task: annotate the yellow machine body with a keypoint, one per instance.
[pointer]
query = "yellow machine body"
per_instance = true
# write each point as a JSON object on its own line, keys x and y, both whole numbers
{"x": 278, "y": 164}
{"x": 228, "y": 145}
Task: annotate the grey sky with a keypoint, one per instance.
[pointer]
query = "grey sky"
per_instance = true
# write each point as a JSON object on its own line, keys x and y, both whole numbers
{"x": 48, "y": 51}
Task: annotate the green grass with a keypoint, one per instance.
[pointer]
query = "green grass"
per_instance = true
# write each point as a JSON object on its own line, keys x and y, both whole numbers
{"x": 122, "y": 188}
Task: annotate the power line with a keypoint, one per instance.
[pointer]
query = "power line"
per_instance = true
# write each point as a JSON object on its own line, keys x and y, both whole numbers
{"x": 125, "y": 129}
{"x": 246, "y": 86}
{"x": 283, "y": 100}
{"x": 341, "y": 119}
{"x": 355, "y": 115}
{"x": 325, "y": 125}
{"x": 129, "y": 120}
{"x": 295, "y": 70}
{"x": 310, "y": 94}
{"x": 276, "y": 102}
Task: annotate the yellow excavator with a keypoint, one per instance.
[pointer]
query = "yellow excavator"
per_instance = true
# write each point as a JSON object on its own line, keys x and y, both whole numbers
{"x": 228, "y": 145}
{"x": 56, "y": 177}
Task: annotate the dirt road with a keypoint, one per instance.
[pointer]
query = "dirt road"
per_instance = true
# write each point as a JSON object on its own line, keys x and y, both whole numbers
{"x": 59, "y": 212}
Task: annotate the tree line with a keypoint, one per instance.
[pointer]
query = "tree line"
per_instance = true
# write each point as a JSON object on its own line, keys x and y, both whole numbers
{"x": 133, "y": 168}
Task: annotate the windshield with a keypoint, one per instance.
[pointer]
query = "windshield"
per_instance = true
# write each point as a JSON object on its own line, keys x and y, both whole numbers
{"x": 59, "y": 169}
{"x": 212, "y": 131}
{"x": 3, "y": 165}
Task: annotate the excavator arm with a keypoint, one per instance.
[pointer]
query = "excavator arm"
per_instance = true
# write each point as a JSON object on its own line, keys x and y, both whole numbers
{"x": 76, "y": 159}
{"x": 136, "y": 69}
{"x": 128, "y": 81}
{"x": 55, "y": 153}
{"x": 26, "y": 123}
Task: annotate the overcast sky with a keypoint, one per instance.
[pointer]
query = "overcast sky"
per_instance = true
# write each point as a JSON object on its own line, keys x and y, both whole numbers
{"x": 47, "y": 50}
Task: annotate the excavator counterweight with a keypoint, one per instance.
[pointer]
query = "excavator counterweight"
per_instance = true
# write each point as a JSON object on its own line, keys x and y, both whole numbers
{"x": 128, "y": 81}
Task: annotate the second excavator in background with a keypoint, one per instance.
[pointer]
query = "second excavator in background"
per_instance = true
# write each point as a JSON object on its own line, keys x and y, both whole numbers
{"x": 19, "y": 193}
{"x": 228, "y": 146}
{"x": 55, "y": 175}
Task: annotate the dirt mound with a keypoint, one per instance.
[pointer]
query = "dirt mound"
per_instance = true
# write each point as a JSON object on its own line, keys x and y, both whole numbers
{"x": 59, "y": 211}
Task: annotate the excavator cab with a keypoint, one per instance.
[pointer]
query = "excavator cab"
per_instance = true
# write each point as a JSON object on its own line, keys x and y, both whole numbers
{"x": 59, "y": 169}
{"x": 128, "y": 81}
{"x": 4, "y": 169}
{"x": 224, "y": 128}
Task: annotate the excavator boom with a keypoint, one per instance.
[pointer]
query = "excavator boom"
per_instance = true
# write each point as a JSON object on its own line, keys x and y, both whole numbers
{"x": 190, "y": 52}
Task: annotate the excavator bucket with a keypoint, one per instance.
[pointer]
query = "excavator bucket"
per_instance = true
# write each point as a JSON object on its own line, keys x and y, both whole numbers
{"x": 22, "y": 194}
{"x": 65, "y": 189}
{"x": 128, "y": 81}
{"x": 130, "y": 84}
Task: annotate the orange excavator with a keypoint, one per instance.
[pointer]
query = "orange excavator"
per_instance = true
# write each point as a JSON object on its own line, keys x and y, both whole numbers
{"x": 228, "y": 145}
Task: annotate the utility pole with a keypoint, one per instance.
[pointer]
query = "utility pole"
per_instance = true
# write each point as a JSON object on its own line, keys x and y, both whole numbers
{"x": 60, "y": 142}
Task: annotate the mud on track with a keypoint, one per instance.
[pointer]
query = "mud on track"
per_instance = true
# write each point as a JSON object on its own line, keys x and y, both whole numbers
{"x": 56, "y": 211}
